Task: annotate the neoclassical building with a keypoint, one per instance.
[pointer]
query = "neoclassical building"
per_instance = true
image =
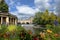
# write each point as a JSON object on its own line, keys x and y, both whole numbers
{"x": 5, "y": 16}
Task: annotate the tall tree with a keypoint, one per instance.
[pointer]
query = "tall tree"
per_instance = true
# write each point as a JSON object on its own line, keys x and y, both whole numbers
{"x": 3, "y": 6}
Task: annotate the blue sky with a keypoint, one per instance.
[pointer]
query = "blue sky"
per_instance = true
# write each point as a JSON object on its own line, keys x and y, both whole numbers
{"x": 26, "y": 8}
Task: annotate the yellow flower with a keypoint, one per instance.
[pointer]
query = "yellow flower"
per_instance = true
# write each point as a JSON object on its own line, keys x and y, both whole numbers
{"x": 42, "y": 35}
{"x": 12, "y": 27}
{"x": 49, "y": 31}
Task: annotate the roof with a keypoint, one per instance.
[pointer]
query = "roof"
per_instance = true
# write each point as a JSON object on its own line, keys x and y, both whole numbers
{"x": 7, "y": 14}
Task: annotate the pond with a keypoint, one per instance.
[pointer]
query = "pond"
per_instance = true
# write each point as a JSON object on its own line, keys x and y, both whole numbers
{"x": 28, "y": 27}
{"x": 33, "y": 28}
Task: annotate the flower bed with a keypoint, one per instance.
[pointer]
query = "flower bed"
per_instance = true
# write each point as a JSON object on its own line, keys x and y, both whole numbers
{"x": 13, "y": 32}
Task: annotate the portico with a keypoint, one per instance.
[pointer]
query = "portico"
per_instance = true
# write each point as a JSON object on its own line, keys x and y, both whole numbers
{"x": 7, "y": 20}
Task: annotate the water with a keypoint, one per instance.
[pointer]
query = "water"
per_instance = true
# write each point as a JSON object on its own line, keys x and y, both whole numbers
{"x": 33, "y": 28}
{"x": 28, "y": 27}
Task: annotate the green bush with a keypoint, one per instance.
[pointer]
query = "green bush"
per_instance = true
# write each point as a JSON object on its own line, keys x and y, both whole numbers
{"x": 13, "y": 32}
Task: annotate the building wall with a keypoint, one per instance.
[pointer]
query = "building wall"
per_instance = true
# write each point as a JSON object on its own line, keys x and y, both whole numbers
{"x": 25, "y": 21}
{"x": 7, "y": 20}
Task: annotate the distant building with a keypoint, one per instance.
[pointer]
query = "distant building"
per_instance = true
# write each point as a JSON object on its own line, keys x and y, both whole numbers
{"x": 5, "y": 16}
{"x": 27, "y": 21}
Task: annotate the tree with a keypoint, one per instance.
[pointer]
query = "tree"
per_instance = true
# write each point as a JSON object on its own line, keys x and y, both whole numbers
{"x": 43, "y": 18}
{"x": 37, "y": 18}
{"x": 3, "y": 6}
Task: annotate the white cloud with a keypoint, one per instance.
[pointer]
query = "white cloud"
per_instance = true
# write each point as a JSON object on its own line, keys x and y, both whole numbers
{"x": 43, "y": 4}
{"x": 26, "y": 9}
{"x": 20, "y": 16}
{"x": 15, "y": 13}
{"x": 40, "y": 5}
{"x": 57, "y": 5}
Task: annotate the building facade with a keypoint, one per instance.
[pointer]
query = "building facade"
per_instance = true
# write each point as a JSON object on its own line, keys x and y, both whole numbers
{"x": 26, "y": 21}
{"x": 7, "y": 18}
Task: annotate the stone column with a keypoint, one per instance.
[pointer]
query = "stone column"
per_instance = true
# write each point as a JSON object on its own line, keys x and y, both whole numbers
{"x": 1, "y": 20}
{"x": 7, "y": 20}
{"x": 15, "y": 21}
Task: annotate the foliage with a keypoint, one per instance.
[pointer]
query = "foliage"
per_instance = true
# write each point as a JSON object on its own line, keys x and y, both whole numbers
{"x": 43, "y": 18}
{"x": 13, "y": 32}
{"x": 3, "y": 6}
{"x": 51, "y": 33}
{"x": 19, "y": 33}
{"x": 12, "y": 27}
{"x": 37, "y": 18}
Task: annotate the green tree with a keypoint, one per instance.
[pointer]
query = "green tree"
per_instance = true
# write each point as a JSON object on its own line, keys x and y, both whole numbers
{"x": 43, "y": 18}
{"x": 3, "y": 6}
{"x": 37, "y": 18}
